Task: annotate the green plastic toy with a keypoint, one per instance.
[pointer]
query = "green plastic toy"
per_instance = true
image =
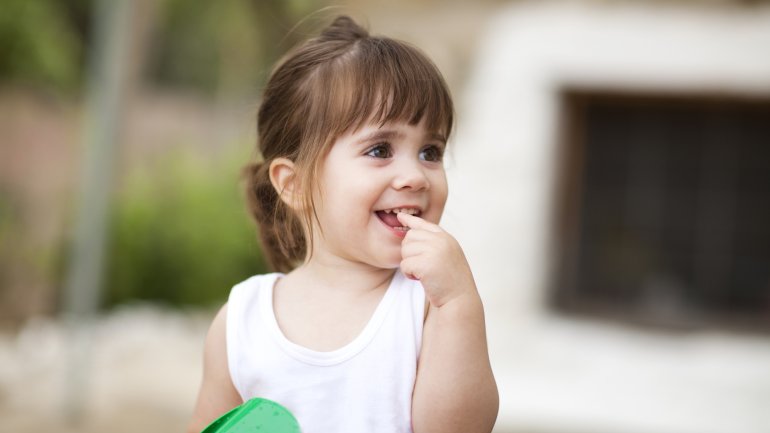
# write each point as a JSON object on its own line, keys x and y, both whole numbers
{"x": 257, "y": 415}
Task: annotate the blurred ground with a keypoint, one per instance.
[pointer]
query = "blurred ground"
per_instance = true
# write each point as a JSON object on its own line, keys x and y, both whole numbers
{"x": 143, "y": 372}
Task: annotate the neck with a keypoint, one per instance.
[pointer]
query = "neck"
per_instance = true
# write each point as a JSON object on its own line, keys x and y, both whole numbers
{"x": 340, "y": 274}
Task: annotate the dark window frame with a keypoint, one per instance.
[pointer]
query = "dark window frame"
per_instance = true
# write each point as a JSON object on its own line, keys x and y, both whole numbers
{"x": 572, "y": 215}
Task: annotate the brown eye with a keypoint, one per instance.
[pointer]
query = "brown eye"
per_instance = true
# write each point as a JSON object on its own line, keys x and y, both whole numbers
{"x": 431, "y": 154}
{"x": 380, "y": 151}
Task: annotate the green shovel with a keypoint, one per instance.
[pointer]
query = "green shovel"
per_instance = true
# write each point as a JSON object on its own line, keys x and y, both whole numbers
{"x": 257, "y": 415}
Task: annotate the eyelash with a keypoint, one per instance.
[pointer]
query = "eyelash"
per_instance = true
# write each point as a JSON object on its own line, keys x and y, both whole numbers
{"x": 379, "y": 146}
{"x": 439, "y": 152}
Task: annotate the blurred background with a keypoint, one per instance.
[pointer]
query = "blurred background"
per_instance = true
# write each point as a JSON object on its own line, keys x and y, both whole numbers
{"x": 610, "y": 180}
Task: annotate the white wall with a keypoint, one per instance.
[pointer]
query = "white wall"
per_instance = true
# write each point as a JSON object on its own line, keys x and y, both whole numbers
{"x": 563, "y": 375}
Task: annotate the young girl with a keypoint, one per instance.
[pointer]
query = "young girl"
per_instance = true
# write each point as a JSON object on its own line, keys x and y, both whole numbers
{"x": 375, "y": 323}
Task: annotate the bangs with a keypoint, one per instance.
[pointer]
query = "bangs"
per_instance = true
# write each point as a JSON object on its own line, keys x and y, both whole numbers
{"x": 380, "y": 81}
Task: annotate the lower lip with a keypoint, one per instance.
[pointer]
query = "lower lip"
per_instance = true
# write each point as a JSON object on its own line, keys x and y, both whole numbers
{"x": 399, "y": 233}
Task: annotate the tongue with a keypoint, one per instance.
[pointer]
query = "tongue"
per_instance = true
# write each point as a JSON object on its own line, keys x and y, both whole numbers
{"x": 389, "y": 218}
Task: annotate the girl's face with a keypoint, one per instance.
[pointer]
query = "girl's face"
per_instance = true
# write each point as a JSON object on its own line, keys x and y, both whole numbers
{"x": 367, "y": 176}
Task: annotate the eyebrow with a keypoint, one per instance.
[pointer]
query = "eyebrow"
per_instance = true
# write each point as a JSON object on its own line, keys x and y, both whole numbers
{"x": 390, "y": 134}
{"x": 382, "y": 134}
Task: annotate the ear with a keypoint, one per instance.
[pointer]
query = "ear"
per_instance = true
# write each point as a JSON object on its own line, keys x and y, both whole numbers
{"x": 283, "y": 176}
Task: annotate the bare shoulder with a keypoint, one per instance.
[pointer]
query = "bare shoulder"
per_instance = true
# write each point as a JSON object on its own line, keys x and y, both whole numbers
{"x": 217, "y": 393}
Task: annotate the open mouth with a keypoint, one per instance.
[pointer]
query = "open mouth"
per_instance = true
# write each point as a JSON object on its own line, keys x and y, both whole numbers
{"x": 390, "y": 218}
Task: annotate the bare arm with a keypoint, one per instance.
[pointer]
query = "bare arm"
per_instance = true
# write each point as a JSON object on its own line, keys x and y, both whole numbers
{"x": 217, "y": 394}
{"x": 455, "y": 390}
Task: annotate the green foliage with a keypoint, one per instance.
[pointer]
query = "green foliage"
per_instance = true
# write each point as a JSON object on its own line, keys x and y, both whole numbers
{"x": 225, "y": 45}
{"x": 210, "y": 47}
{"x": 37, "y": 45}
{"x": 181, "y": 235}
{"x": 197, "y": 40}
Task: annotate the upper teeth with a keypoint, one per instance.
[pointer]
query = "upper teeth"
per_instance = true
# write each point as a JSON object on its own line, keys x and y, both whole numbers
{"x": 410, "y": 211}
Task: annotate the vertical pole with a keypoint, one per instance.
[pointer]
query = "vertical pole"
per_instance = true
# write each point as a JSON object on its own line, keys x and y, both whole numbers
{"x": 106, "y": 88}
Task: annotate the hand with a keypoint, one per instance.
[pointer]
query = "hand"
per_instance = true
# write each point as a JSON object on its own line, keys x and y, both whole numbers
{"x": 433, "y": 256}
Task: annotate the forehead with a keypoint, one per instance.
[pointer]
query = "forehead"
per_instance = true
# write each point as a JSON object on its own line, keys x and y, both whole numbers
{"x": 390, "y": 131}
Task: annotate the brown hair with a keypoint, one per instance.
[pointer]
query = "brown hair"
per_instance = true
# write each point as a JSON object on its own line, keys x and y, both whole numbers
{"x": 327, "y": 86}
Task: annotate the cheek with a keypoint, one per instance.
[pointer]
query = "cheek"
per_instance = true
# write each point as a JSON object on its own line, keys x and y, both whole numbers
{"x": 351, "y": 198}
{"x": 439, "y": 193}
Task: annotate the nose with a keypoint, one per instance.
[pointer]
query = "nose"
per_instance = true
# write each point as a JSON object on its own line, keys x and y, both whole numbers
{"x": 411, "y": 176}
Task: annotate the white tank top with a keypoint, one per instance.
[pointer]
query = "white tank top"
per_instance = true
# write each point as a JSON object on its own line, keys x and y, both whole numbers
{"x": 363, "y": 387}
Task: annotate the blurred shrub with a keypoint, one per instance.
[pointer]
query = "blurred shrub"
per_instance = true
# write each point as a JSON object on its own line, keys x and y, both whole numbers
{"x": 222, "y": 46}
{"x": 181, "y": 234}
{"x": 38, "y": 45}
{"x": 204, "y": 46}
{"x": 186, "y": 52}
